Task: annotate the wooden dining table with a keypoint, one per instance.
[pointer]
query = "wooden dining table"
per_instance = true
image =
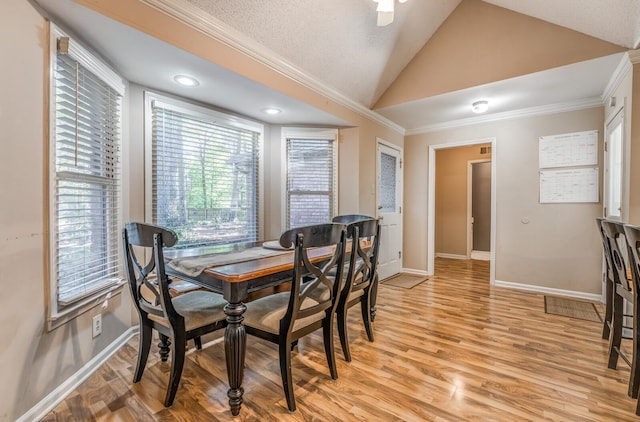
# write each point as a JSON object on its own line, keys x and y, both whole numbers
{"x": 236, "y": 281}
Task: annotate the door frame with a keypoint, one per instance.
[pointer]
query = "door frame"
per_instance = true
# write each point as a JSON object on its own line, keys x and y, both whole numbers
{"x": 470, "y": 164}
{"x": 380, "y": 141}
{"x": 431, "y": 207}
{"x": 626, "y": 160}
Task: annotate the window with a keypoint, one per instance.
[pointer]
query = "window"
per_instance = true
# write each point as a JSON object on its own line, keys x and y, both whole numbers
{"x": 205, "y": 173}
{"x": 85, "y": 176}
{"x": 311, "y": 157}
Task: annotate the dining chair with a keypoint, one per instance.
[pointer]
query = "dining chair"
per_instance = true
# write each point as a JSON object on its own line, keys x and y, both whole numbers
{"x": 615, "y": 234}
{"x": 348, "y": 219}
{"x": 285, "y": 317}
{"x": 361, "y": 279}
{"x": 608, "y": 281}
{"x": 632, "y": 235}
{"x": 181, "y": 318}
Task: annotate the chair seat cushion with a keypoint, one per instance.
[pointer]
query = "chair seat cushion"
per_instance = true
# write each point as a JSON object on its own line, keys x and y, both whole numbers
{"x": 198, "y": 308}
{"x": 265, "y": 313}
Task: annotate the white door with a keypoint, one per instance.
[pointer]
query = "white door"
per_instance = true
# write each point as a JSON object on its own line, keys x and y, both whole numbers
{"x": 389, "y": 200}
{"x": 614, "y": 159}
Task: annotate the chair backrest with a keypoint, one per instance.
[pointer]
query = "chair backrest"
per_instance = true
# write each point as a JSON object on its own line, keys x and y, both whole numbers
{"x": 614, "y": 232}
{"x": 350, "y": 218}
{"x": 308, "y": 276}
{"x": 632, "y": 234}
{"x": 605, "y": 247}
{"x": 363, "y": 260}
{"x": 148, "y": 281}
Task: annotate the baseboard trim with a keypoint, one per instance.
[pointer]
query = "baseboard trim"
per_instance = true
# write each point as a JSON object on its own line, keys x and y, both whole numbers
{"x": 414, "y": 271}
{"x": 548, "y": 290}
{"x": 47, "y": 404}
{"x": 451, "y": 256}
{"x": 481, "y": 255}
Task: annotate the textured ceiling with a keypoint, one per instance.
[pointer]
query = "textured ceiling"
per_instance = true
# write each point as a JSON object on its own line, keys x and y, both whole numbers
{"x": 338, "y": 43}
{"x": 616, "y": 21}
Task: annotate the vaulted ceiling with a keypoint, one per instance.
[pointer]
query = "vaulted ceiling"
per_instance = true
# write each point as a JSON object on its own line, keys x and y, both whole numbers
{"x": 420, "y": 71}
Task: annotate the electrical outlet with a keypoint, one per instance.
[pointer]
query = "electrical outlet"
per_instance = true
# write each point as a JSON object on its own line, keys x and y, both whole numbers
{"x": 97, "y": 325}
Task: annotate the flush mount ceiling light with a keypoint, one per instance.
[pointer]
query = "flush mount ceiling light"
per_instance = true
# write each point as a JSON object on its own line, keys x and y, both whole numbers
{"x": 480, "y": 106}
{"x": 271, "y": 110}
{"x": 385, "y": 11}
{"x": 186, "y": 80}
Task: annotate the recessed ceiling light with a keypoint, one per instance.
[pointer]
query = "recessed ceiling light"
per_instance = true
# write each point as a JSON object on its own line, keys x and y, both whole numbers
{"x": 186, "y": 80}
{"x": 480, "y": 106}
{"x": 271, "y": 110}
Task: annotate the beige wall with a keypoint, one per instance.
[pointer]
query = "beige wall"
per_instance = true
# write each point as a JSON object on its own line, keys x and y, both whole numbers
{"x": 451, "y": 198}
{"x": 559, "y": 248}
{"x": 33, "y": 361}
{"x": 481, "y": 43}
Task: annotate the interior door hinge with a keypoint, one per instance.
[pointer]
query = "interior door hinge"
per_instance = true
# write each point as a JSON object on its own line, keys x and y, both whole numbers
{"x": 605, "y": 147}
{"x": 399, "y": 254}
{"x": 400, "y": 163}
{"x": 400, "y": 210}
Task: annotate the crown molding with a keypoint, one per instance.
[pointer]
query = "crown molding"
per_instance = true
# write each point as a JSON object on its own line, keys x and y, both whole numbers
{"x": 621, "y": 71}
{"x": 508, "y": 115}
{"x": 191, "y": 15}
{"x": 634, "y": 56}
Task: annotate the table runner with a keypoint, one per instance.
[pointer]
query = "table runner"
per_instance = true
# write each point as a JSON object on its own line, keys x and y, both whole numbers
{"x": 194, "y": 265}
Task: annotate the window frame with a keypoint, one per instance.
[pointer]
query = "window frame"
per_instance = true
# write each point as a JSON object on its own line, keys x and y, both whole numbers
{"x": 307, "y": 133}
{"x": 57, "y": 313}
{"x": 208, "y": 113}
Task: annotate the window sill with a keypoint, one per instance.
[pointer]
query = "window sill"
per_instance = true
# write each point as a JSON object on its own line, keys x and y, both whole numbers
{"x": 69, "y": 314}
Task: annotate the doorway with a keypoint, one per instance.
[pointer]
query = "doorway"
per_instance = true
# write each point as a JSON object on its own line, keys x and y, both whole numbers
{"x": 431, "y": 209}
{"x": 479, "y": 209}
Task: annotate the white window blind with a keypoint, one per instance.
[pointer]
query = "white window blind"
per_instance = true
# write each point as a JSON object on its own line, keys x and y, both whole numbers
{"x": 311, "y": 181}
{"x": 205, "y": 176}
{"x": 86, "y": 182}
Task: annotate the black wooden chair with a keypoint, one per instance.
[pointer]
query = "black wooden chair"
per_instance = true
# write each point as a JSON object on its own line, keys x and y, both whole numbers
{"x": 632, "y": 234}
{"x": 361, "y": 279}
{"x": 616, "y": 238}
{"x": 184, "y": 317}
{"x": 348, "y": 219}
{"x": 608, "y": 281}
{"x": 285, "y": 317}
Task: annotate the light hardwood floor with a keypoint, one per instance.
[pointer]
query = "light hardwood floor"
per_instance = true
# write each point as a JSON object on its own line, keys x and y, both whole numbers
{"x": 451, "y": 349}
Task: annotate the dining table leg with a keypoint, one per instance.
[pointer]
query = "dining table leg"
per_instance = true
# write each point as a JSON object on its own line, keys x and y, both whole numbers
{"x": 235, "y": 346}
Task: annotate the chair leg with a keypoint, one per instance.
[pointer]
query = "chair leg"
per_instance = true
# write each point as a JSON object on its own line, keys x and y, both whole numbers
{"x": 367, "y": 317}
{"x": 198, "y": 342}
{"x": 327, "y": 331}
{"x": 373, "y": 294}
{"x": 634, "y": 376}
{"x": 284, "y": 350}
{"x": 144, "y": 346}
{"x": 177, "y": 363}
{"x": 165, "y": 347}
{"x": 608, "y": 307}
{"x": 615, "y": 337}
{"x": 341, "y": 316}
